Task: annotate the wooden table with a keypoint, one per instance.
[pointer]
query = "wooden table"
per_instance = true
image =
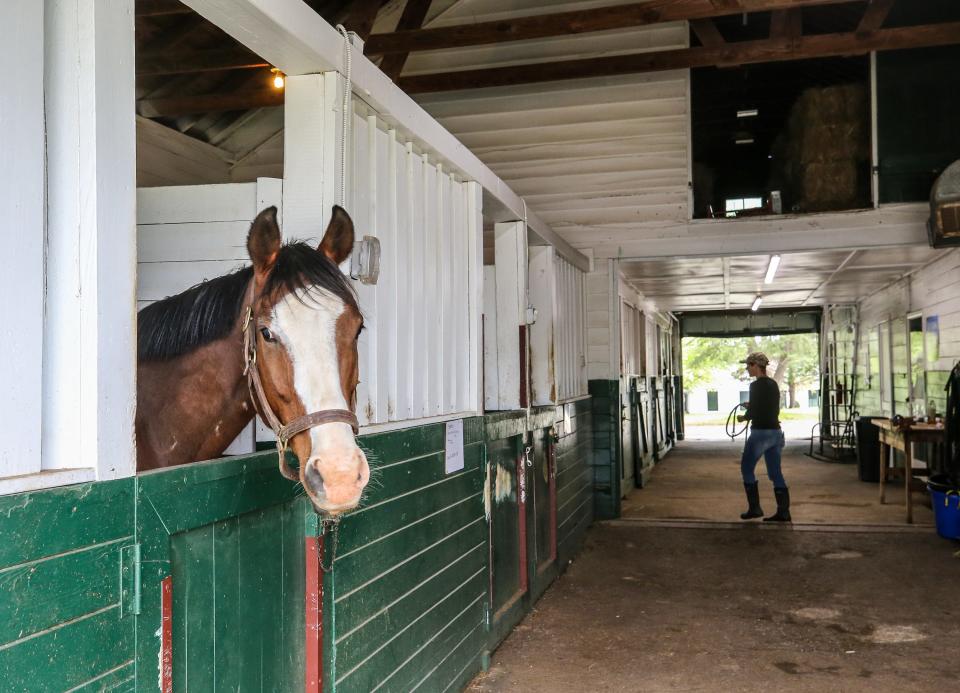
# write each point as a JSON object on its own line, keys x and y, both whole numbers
{"x": 902, "y": 438}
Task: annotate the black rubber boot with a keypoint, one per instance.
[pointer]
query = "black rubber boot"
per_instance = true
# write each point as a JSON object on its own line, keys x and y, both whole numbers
{"x": 783, "y": 506}
{"x": 753, "y": 501}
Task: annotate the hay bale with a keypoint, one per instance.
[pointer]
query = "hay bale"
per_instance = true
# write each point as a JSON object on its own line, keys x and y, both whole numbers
{"x": 826, "y": 144}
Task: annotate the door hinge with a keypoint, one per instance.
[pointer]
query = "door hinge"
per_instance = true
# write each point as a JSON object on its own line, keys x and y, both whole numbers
{"x": 130, "y": 580}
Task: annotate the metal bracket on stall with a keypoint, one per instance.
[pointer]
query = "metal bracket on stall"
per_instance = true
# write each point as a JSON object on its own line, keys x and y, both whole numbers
{"x": 365, "y": 260}
{"x": 531, "y": 315}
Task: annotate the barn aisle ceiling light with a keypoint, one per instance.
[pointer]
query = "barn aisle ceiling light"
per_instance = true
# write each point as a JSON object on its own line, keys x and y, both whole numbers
{"x": 277, "y": 78}
{"x": 772, "y": 269}
{"x": 756, "y": 303}
{"x": 748, "y": 113}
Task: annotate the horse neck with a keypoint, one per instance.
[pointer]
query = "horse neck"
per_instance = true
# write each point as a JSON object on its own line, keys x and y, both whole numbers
{"x": 191, "y": 407}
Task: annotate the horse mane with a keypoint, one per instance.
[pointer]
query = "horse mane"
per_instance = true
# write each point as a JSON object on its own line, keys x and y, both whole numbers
{"x": 208, "y": 311}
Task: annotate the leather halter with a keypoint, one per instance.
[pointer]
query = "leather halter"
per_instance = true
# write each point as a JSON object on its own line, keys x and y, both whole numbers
{"x": 283, "y": 432}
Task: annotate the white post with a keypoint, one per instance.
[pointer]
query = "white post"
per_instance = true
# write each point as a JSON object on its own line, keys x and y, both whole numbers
{"x": 311, "y": 156}
{"x": 22, "y": 197}
{"x": 474, "y": 205}
{"x": 511, "y": 272}
{"x": 90, "y": 335}
{"x": 543, "y": 338}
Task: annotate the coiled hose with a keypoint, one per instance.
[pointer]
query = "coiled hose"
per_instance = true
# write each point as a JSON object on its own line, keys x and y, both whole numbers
{"x": 731, "y": 427}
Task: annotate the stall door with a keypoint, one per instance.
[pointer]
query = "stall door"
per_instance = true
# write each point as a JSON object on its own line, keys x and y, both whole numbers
{"x": 543, "y": 497}
{"x": 508, "y": 494}
{"x": 225, "y": 579}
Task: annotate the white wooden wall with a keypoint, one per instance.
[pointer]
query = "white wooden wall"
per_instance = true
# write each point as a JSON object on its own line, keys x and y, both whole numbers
{"x": 67, "y": 144}
{"x": 22, "y": 195}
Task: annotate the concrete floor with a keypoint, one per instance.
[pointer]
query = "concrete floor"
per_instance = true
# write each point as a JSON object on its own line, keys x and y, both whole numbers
{"x": 655, "y": 603}
{"x": 700, "y": 480}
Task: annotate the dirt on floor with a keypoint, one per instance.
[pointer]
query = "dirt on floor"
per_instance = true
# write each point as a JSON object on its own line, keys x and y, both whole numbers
{"x": 647, "y": 608}
{"x": 680, "y": 595}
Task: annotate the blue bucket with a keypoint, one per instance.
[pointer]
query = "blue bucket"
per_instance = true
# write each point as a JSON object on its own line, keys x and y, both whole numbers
{"x": 946, "y": 512}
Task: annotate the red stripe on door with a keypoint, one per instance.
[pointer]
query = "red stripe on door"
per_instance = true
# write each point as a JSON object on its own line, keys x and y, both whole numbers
{"x": 313, "y": 679}
{"x": 166, "y": 634}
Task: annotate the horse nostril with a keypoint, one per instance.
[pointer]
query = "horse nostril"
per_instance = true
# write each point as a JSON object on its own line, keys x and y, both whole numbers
{"x": 313, "y": 478}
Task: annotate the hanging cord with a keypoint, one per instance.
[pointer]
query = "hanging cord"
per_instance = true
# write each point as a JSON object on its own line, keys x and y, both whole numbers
{"x": 345, "y": 123}
{"x": 731, "y": 427}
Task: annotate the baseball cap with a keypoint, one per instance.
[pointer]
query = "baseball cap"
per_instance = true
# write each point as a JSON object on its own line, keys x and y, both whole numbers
{"x": 758, "y": 358}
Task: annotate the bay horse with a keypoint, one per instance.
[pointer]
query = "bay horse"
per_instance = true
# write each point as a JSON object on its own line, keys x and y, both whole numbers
{"x": 278, "y": 337}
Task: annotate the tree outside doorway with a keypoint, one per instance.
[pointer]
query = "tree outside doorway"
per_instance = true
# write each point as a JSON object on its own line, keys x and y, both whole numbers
{"x": 715, "y": 382}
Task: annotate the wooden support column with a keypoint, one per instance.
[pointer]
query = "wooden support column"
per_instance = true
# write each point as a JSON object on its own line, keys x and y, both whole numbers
{"x": 89, "y": 372}
{"x": 511, "y": 279}
{"x": 22, "y": 196}
{"x": 311, "y": 157}
{"x": 543, "y": 352}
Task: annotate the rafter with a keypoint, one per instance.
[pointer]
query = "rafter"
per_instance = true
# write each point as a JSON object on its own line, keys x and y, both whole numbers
{"x": 414, "y": 13}
{"x": 707, "y": 32}
{"x": 741, "y": 53}
{"x": 874, "y": 16}
{"x": 360, "y": 17}
{"x": 785, "y": 24}
{"x": 165, "y": 63}
{"x": 158, "y": 8}
{"x": 210, "y": 103}
{"x": 575, "y": 22}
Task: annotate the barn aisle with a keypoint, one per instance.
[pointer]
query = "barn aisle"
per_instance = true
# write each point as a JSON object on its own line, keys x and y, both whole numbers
{"x": 648, "y": 608}
{"x": 700, "y": 480}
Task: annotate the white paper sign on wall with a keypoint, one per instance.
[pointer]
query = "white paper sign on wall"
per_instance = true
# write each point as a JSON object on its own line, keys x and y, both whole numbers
{"x": 454, "y": 446}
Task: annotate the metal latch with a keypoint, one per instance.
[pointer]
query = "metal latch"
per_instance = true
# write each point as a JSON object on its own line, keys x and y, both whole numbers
{"x": 365, "y": 260}
{"x": 129, "y": 580}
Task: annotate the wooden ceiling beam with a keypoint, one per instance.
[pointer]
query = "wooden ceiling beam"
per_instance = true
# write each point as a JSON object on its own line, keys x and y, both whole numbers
{"x": 159, "y": 8}
{"x": 786, "y": 24}
{"x": 740, "y": 53}
{"x": 414, "y": 14}
{"x": 874, "y": 16}
{"x": 707, "y": 32}
{"x": 171, "y": 107}
{"x": 162, "y": 63}
{"x": 361, "y": 14}
{"x": 575, "y": 22}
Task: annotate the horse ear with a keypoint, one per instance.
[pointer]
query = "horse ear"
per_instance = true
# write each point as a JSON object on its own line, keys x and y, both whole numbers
{"x": 263, "y": 241}
{"x": 337, "y": 243}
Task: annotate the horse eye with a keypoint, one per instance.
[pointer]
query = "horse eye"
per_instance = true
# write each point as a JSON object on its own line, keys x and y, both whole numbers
{"x": 267, "y": 334}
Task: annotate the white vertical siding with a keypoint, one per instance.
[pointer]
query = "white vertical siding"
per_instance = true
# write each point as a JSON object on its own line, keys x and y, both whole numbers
{"x": 423, "y": 315}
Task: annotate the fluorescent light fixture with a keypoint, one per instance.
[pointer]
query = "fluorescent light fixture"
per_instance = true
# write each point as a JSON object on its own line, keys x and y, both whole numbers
{"x": 748, "y": 113}
{"x": 756, "y": 303}
{"x": 744, "y": 140}
{"x": 772, "y": 269}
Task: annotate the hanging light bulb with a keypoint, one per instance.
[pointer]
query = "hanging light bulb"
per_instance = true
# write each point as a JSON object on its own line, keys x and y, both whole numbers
{"x": 277, "y": 77}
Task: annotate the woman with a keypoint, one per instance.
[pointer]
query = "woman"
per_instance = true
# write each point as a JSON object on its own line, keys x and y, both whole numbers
{"x": 766, "y": 438}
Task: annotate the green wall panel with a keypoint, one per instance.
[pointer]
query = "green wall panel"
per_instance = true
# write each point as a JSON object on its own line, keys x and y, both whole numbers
{"x": 606, "y": 447}
{"x": 405, "y": 602}
{"x": 405, "y": 608}
{"x": 64, "y": 620}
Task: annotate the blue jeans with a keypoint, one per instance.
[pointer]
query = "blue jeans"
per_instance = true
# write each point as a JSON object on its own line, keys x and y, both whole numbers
{"x": 766, "y": 442}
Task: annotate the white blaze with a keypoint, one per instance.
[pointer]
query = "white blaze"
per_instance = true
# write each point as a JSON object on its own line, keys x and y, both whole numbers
{"x": 305, "y": 323}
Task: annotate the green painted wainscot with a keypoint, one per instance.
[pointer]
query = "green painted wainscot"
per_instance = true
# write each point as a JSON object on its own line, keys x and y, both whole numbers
{"x": 206, "y": 577}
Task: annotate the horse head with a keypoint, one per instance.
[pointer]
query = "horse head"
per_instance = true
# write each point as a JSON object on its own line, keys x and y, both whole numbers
{"x": 304, "y": 326}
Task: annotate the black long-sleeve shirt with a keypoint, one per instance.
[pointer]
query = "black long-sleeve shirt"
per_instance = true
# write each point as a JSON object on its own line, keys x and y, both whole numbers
{"x": 763, "y": 411}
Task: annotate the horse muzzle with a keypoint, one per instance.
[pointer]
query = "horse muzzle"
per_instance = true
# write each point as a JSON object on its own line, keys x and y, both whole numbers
{"x": 335, "y": 483}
